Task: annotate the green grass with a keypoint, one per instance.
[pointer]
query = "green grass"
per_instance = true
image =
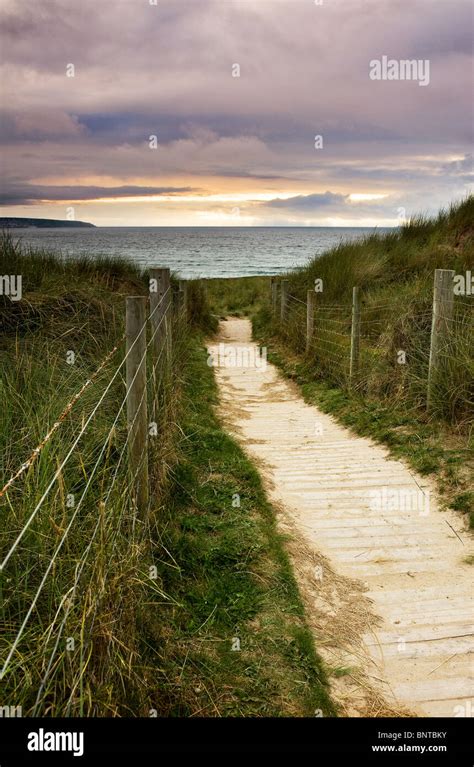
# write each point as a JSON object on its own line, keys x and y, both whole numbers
{"x": 239, "y": 297}
{"x": 397, "y": 265}
{"x": 394, "y": 272}
{"x": 74, "y": 306}
{"x": 219, "y": 554}
{"x": 126, "y": 643}
{"x": 134, "y": 643}
{"x": 385, "y": 400}
{"x": 67, "y": 306}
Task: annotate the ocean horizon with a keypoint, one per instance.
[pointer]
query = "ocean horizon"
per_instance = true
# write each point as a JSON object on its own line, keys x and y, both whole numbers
{"x": 198, "y": 251}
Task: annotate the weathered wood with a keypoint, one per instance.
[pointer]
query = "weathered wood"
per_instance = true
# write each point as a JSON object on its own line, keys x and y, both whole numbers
{"x": 310, "y": 301}
{"x": 137, "y": 417}
{"x": 274, "y": 296}
{"x": 411, "y": 562}
{"x": 167, "y": 324}
{"x": 284, "y": 301}
{"x": 158, "y": 284}
{"x": 183, "y": 298}
{"x": 443, "y": 299}
{"x": 159, "y": 281}
{"x": 355, "y": 334}
{"x": 175, "y": 301}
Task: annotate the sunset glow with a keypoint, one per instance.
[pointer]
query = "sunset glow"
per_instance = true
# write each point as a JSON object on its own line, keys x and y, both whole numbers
{"x": 203, "y": 112}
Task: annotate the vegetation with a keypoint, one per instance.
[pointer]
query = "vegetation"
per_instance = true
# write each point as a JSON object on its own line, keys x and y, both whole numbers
{"x": 67, "y": 307}
{"x": 235, "y": 642}
{"x": 129, "y": 615}
{"x": 237, "y": 296}
{"x": 193, "y": 609}
{"x": 387, "y": 399}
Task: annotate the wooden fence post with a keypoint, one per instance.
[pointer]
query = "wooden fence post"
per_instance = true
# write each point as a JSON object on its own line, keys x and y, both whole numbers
{"x": 355, "y": 334}
{"x": 310, "y": 301}
{"x": 159, "y": 279}
{"x": 176, "y": 301}
{"x": 274, "y": 289}
{"x": 137, "y": 416}
{"x": 284, "y": 301}
{"x": 443, "y": 299}
{"x": 167, "y": 321}
{"x": 183, "y": 296}
{"x": 178, "y": 314}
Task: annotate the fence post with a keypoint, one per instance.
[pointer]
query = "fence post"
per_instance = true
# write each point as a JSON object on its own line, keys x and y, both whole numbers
{"x": 355, "y": 333}
{"x": 284, "y": 301}
{"x": 159, "y": 279}
{"x": 137, "y": 417}
{"x": 274, "y": 289}
{"x": 183, "y": 296}
{"x": 443, "y": 299}
{"x": 158, "y": 284}
{"x": 176, "y": 301}
{"x": 310, "y": 300}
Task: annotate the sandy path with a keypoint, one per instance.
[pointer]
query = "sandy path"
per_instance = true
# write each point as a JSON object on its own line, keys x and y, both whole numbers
{"x": 412, "y": 642}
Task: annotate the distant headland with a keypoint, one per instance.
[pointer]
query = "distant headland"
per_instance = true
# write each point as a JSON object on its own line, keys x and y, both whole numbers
{"x": 40, "y": 223}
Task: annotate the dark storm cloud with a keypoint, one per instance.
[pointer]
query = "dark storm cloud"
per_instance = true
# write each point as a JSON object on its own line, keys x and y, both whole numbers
{"x": 309, "y": 202}
{"x": 306, "y": 207}
{"x": 24, "y": 194}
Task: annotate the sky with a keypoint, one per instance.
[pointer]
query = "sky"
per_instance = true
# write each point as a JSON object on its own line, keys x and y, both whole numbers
{"x": 234, "y": 112}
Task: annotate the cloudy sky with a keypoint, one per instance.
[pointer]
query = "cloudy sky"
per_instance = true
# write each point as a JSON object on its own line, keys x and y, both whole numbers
{"x": 235, "y": 92}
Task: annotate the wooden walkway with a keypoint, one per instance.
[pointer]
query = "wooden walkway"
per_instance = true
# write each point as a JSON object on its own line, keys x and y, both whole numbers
{"x": 376, "y": 522}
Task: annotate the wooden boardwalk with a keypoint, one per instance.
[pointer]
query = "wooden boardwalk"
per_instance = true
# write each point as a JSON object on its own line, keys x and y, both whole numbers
{"x": 376, "y": 522}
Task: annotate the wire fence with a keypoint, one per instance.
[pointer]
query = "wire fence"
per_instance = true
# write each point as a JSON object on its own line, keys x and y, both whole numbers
{"x": 422, "y": 351}
{"x": 61, "y": 542}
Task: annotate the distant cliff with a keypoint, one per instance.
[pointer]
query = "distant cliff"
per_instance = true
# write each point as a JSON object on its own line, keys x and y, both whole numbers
{"x": 35, "y": 223}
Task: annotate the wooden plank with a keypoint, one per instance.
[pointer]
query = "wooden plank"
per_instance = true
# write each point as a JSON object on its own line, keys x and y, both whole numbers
{"x": 436, "y": 689}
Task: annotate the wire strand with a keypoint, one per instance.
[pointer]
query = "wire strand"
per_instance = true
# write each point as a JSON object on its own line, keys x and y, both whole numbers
{"x": 74, "y": 515}
{"x": 76, "y": 441}
{"x": 59, "y": 421}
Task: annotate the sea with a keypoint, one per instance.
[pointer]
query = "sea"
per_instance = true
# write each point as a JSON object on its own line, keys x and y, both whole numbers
{"x": 192, "y": 252}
